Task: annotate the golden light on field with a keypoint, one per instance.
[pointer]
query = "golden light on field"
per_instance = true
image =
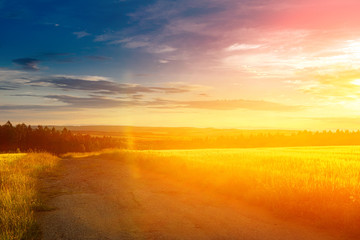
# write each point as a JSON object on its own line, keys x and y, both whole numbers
{"x": 19, "y": 194}
{"x": 314, "y": 183}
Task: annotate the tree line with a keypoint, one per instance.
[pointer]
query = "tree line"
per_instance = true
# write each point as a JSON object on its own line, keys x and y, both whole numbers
{"x": 23, "y": 138}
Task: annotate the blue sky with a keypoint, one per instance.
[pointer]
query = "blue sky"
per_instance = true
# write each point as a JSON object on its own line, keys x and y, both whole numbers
{"x": 60, "y": 34}
{"x": 206, "y": 63}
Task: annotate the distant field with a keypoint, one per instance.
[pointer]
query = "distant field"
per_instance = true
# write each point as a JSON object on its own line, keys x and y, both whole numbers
{"x": 320, "y": 185}
{"x": 161, "y": 138}
{"x": 19, "y": 194}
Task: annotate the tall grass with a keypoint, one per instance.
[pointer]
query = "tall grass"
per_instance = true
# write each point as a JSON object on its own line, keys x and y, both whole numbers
{"x": 18, "y": 193}
{"x": 317, "y": 184}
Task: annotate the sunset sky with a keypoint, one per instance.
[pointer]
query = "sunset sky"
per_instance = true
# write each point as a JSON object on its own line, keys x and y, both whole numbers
{"x": 277, "y": 64}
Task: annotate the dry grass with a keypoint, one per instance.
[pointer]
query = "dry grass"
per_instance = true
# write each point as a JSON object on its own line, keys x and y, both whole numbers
{"x": 18, "y": 193}
{"x": 320, "y": 185}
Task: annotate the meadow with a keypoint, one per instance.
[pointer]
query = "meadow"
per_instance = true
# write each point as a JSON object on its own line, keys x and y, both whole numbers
{"x": 316, "y": 185}
{"x": 19, "y": 196}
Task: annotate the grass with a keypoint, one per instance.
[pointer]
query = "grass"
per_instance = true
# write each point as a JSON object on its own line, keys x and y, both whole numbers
{"x": 18, "y": 193}
{"x": 320, "y": 185}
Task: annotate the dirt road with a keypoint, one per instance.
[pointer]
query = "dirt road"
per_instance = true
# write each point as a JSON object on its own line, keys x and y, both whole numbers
{"x": 99, "y": 198}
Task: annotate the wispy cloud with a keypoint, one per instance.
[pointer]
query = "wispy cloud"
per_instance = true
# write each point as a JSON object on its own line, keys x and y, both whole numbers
{"x": 100, "y": 85}
{"x": 140, "y": 42}
{"x": 237, "y": 47}
{"x": 69, "y": 102}
{"x": 14, "y": 79}
{"x": 264, "y": 38}
{"x": 163, "y": 61}
{"x": 9, "y": 88}
{"x": 231, "y": 104}
{"x": 26, "y": 107}
{"x": 81, "y": 34}
{"x": 30, "y": 64}
{"x": 335, "y": 85}
{"x": 20, "y": 80}
{"x": 92, "y": 102}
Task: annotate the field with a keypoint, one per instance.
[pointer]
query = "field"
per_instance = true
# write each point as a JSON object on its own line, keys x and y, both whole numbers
{"x": 165, "y": 193}
{"x": 19, "y": 195}
{"x": 161, "y": 138}
{"x": 316, "y": 185}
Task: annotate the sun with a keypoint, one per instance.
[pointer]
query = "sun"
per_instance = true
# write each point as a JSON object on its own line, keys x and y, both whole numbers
{"x": 356, "y": 82}
{"x": 353, "y": 48}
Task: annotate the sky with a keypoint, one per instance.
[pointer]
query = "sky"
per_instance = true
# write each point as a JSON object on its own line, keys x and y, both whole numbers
{"x": 255, "y": 64}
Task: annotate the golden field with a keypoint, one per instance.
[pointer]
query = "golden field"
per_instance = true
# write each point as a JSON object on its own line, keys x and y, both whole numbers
{"x": 318, "y": 185}
{"x": 19, "y": 194}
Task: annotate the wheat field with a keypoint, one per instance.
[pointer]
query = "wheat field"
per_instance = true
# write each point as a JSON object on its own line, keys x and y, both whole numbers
{"x": 19, "y": 194}
{"x": 320, "y": 185}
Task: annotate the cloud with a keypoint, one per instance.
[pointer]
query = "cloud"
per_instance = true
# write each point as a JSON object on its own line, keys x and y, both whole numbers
{"x": 186, "y": 29}
{"x": 9, "y": 88}
{"x": 138, "y": 96}
{"x": 67, "y": 102}
{"x": 102, "y": 92}
{"x": 333, "y": 84}
{"x": 102, "y": 86}
{"x": 148, "y": 44}
{"x": 237, "y": 104}
{"x": 30, "y": 64}
{"x": 163, "y": 61}
{"x": 81, "y": 34}
{"x": 63, "y": 102}
{"x": 26, "y": 107}
{"x": 263, "y": 38}
{"x": 14, "y": 79}
{"x": 20, "y": 80}
{"x": 92, "y": 102}
{"x": 237, "y": 47}
{"x": 103, "y": 102}
{"x": 69, "y": 57}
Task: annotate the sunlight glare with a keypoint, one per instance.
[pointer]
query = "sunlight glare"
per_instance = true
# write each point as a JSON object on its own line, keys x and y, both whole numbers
{"x": 356, "y": 82}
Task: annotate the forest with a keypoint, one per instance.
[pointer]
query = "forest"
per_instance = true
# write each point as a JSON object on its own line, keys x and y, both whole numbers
{"x": 23, "y": 138}
{"x": 26, "y": 138}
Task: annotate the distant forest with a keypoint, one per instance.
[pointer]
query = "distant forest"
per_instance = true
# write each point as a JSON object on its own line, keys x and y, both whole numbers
{"x": 23, "y": 138}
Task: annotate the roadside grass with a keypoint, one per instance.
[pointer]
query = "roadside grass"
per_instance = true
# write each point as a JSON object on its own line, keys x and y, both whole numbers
{"x": 317, "y": 185}
{"x": 19, "y": 197}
